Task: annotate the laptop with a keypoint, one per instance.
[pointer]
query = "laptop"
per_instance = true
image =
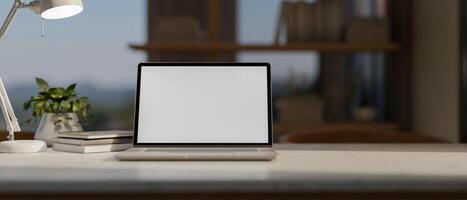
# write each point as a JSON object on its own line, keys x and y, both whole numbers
{"x": 202, "y": 111}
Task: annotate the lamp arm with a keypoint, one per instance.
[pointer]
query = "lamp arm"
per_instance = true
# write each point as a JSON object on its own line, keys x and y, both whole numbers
{"x": 5, "y": 105}
{"x": 9, "y": 18}
{"x": 9, "y": 125}
{"x": 8, "y": 113}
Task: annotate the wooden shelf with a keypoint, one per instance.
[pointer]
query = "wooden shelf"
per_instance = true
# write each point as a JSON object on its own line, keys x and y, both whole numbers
{"x": 226, "y": 47}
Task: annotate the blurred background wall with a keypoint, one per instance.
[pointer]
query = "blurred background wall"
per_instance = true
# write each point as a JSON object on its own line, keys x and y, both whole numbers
{"x": 436, "y": 44}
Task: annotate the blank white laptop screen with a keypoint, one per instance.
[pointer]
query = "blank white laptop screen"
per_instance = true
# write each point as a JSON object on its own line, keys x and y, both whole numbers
{"x": 203, "y": 104}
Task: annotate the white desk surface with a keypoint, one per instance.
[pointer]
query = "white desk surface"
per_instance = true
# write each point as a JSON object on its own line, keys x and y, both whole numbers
{"x": 299, "y": 168}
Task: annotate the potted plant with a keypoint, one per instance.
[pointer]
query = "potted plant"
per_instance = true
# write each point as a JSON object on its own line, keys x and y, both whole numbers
{"x": 58, "y": 109}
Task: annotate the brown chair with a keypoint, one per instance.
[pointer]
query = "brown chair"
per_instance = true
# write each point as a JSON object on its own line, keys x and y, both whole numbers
{"x": 355, "y": 135}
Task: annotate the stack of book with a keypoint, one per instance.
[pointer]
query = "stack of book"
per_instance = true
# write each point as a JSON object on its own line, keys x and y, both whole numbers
{"x": 305, "y": 21}
{"x": 93, "y": 141}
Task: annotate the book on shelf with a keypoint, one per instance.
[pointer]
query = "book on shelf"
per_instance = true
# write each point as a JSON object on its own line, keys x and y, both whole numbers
{"x": 281, "y": 25}
{"x": 91, "y": 148}
{"x": 303, "y": 21}
{"x": 332, "y": 20}
{"x": 308, "y": 21}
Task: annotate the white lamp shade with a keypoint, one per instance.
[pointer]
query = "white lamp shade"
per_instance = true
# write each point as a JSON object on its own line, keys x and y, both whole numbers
{"x": 59, "y": 9}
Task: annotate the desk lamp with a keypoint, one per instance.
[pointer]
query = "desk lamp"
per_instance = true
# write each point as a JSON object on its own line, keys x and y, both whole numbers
{"x": 47, "y": 9}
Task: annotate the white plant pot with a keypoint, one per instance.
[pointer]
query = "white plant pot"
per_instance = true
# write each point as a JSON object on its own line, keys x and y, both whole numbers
{"x": 47, "y": 129}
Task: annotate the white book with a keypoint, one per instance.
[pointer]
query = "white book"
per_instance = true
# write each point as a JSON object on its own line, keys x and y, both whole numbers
{"x": 90, "y": 149}
{"x": 85, "y": 142}
{"x": 96, "y": 134}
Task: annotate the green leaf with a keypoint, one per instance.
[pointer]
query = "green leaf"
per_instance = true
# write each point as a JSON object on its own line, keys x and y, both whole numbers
{"x": 40, "y": 113}
{"x": 42, "y": 84}
{"x": 84, "y": 99}
{"x": 37, "y": 113}
{"x": 70, "y": 90}
{"x": 84, "y": 113}
{"x": 55, "y": 107}
{"x": 45, "y": 95}
{"x": 39, "y": 104}
{"x": 57, "y": 93}
{"x": 76, "y": 106}
{"x": 65, "y": 106}
{"x": 47, "y": 106}
{"x": 27, "y": 105}
{"x": 72, "y": 98}
{"x": 71, "y": 87}
{"x": 36, "y": 98}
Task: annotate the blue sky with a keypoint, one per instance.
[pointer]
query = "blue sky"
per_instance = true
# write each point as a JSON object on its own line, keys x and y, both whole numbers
{"x": 92, "y": 47}
{"x": 89, "y": 47}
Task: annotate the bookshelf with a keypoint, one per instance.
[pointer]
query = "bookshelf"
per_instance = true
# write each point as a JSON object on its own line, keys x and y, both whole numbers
{"x": 232, "y": 47}
{"x": 219, "y": 46}
{"x": 213, "y": 46}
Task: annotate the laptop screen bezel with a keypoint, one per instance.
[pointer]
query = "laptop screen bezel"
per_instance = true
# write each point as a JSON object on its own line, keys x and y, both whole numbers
{"x": 137, "y": 104}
